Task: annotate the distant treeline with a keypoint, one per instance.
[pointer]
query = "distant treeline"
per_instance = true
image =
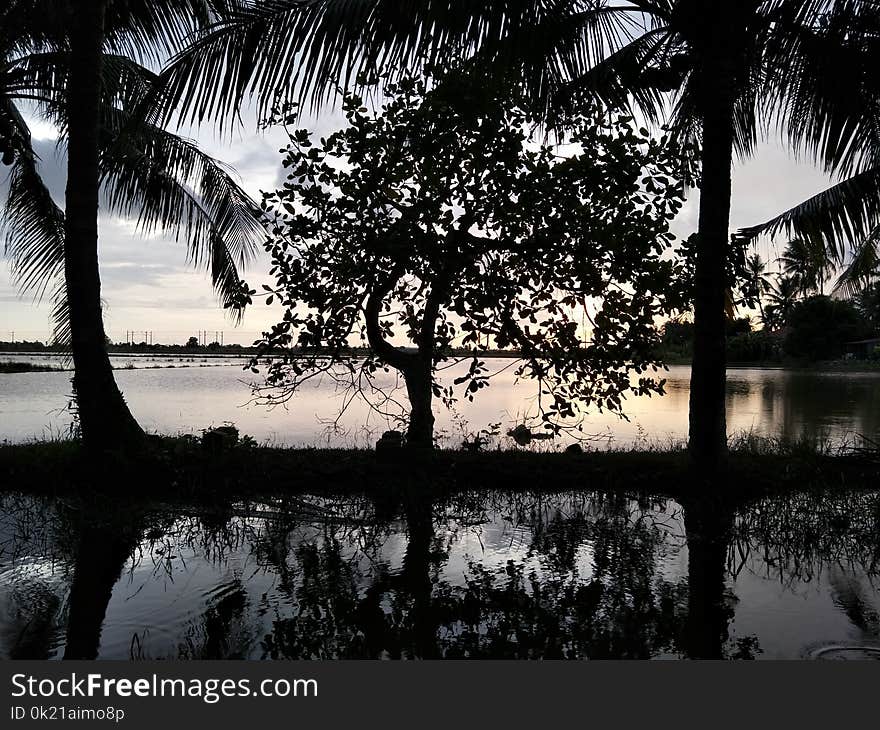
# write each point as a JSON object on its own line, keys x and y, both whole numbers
{"x": 135, "y": 347}
{"x": 816, "y": 329}
{"x": 213, "y": 348}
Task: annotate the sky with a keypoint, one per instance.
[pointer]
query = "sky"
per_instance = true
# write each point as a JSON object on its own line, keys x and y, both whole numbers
{"x": 148, "y": 286}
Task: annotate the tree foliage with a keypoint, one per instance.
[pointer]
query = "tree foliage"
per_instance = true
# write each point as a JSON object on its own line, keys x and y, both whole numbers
{"x": 820, "y": 326}
{"x": 438, "y": 222}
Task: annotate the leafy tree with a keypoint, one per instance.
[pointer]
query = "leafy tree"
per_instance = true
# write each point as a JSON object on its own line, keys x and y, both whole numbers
{"x": 435, "y": 223}
{"x": 743, "y": 344}
{"x": 192, "y": 342}
{"x": 738, "y": 326}
{"x": 678, "y": 338}
{"x": 820, "y": 326}
{"x": 727, "y": 63}
{"x": 758, "y": 346}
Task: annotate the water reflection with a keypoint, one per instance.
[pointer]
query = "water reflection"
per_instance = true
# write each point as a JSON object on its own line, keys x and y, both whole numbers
{"x": 475, "y": 574}
{"x": 776, "y": 403}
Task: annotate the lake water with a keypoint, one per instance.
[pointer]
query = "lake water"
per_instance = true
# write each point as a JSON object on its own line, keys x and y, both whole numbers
{"x": 480, "y": 574}
{"x": 476, "y": 573}
{"x": 184, "y": 395}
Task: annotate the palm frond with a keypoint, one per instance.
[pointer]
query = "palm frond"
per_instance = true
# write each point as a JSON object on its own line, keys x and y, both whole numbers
{"x": 304, "y": 50}
{"x": 61, "y": 327}
{"x": 43, "y": 77}
{"x": 863, "y": 267}
{"x": 617, "y": 79}
{"x": 153, "y": 30}
{"x": 836, "y": 217}
{"x": 168, "y": 184}
{"x": 828, "y": 101}
{"x": 32, "y": 223}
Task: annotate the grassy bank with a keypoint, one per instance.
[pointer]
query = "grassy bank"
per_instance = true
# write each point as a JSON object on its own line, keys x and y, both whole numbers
{"x": 184, "y": 467}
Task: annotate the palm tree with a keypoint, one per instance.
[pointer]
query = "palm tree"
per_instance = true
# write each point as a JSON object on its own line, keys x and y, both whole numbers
{"x": 104, "y": 417}
{"x": 721, "y": 60}
{"x": 807, "y": 265}
{"x": 782, "y": 297}
{"x": 830, "y": 110}
{"x": 144, "y": 170}
{"x": 867, "y": 301}
{"x": 758, "y": 280}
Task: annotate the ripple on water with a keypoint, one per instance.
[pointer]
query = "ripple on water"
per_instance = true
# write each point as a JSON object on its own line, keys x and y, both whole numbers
{"x": 842, "y": 650}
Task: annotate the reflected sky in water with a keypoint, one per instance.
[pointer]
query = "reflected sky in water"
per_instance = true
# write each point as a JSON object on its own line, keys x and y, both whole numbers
{"x": 480, "y": 574}
{"x": 199, "y": 392}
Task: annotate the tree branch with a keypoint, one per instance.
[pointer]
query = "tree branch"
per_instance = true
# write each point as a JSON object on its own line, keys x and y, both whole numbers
{"x": 384, "y": 350}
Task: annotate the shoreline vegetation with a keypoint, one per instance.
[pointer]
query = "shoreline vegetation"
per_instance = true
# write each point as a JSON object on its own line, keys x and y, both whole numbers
{"x": 202, "y": 468}
{"x": 7, "y": 368}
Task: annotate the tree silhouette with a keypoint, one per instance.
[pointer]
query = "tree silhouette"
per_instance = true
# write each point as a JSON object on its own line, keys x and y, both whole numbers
{"x": 435, "y": 222}
{"x": 727, "y": 64}
{"x": 829, "y": 106}
{"x": 104, "y": 417}
{"x": 757, "y": 281}
{"x": 807, "y": 265}
{"x": 717, "y": 58}
{"x": 782, "y": 296}
{"x": 144, "y": 171}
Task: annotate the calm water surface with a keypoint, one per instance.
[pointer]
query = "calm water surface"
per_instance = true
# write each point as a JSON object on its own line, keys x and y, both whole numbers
{"x": 183, "y": 395}
{"x": 482, "y": 574}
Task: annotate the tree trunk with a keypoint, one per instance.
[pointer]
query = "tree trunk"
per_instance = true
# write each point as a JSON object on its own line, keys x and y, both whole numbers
{"x": 708, "y": 427}
{"x": 104, "y": 417}
{"x": 415, "y": 367}
{"x": 420, "y": 433}
{"x": 416, "y": 573}
{"x": 708, "y": 525}
{"x": 100, "y": 557}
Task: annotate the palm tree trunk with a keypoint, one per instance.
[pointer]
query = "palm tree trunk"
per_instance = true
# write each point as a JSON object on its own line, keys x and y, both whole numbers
{"x": 708, "y": 526}
{"x": 708, "y": 426}
{"x": 100, "y": 557}
{"x": 104, "y": 417}
{"x": 759, "y": 288}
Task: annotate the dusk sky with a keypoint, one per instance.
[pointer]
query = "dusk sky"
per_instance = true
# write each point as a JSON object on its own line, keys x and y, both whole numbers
{"x": 148, "y": 285}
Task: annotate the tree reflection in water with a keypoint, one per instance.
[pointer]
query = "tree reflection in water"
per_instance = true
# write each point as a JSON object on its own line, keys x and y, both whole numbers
{"x": 595, "y": 576}
{"x": 624, "y": 609}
